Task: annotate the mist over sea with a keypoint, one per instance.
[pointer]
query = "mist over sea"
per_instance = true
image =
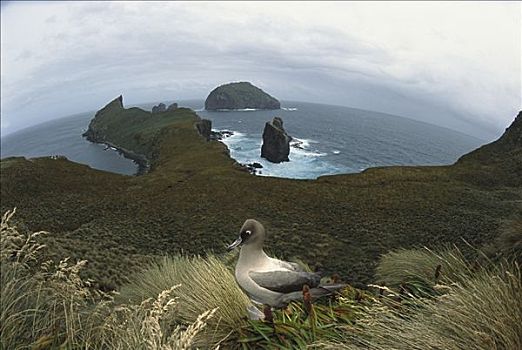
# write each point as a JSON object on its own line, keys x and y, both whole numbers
{"x": 333, "y": 140}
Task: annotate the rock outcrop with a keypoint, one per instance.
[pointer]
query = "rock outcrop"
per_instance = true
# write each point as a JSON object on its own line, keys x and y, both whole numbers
{"x": 96, "y": 130}
{"x": 221, "y": 134}
{"x": 508, "y": 145}
{"x": 204, "y": 127}
{"x": 159, "y": 108}
{"x": 240, "y": 96}
{"x": 276, "y": 142}
{"x": 498, "y": 163}
{"x": 512, "y": 137}
{"x": 172, "y": 107}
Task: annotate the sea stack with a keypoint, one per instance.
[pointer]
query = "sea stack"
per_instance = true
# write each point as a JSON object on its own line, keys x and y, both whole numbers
{"x": 276, "y": 142}
{"x": 240, "y": 95}
{"x": 159, "y": 108}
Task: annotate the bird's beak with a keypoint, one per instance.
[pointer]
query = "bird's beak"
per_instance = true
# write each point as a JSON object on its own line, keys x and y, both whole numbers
{"x": 237, "y": 242}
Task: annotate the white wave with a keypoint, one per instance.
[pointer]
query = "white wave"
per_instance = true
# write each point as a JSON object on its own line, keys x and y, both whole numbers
{"x": 234, "y": 141}
{"x": 301, "y": 143}
{"x": 290, "y": 109}
{"x": 238, "y": 110}
{"x": 306, "y": 153}
{"x": 336, "y": 151}
{"x": 304, "y": 163}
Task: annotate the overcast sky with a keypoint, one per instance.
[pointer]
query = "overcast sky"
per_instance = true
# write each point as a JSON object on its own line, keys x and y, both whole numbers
{"x": 456, "y": 65}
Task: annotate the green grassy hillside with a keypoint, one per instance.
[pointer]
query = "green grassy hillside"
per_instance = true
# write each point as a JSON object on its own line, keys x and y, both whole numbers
{"x": 196, "y": 198}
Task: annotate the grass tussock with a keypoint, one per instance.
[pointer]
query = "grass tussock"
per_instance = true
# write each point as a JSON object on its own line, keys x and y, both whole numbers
{"x": 208, "y": 283}
{"x": 204, "y": 284}
{"x": 42, "y": 304}
{"x": 482, "y": 310}
{"x": 149, "y": 325}
{"x": 46, "y": 305}
{"x": 417, "y": 271}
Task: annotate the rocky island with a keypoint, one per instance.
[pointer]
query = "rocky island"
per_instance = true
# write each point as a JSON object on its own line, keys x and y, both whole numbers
{"x": 240, "y": 95}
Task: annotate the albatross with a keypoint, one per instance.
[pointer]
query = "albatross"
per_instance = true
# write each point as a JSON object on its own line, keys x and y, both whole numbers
{"x": 270, "y": 281}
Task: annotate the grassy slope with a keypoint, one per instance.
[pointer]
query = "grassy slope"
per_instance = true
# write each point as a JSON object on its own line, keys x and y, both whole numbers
{"x": 196, "y": 198}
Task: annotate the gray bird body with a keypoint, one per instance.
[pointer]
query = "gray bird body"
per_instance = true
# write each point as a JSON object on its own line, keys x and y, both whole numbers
{"x": 267, "y": 280}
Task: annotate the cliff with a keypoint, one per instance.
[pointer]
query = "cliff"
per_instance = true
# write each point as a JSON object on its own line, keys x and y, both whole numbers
{"x": 239, "y": 96}
{"x": 96, "y": 132}
{"x": 509, "y": 144}
{"x": 499, "y": 162}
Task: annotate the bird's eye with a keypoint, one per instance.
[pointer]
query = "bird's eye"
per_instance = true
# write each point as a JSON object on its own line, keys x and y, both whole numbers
{"x": 245, "y": 235}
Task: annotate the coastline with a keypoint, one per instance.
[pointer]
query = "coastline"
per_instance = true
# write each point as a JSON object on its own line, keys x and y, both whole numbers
{"x": 139, "y": 159}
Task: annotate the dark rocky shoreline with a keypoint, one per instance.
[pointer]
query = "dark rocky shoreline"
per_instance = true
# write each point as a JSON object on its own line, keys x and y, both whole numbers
{"x": 139, "y": 159}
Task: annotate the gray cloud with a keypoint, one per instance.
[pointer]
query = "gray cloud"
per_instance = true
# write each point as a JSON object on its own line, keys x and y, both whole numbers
{"x": 76, "y": 57}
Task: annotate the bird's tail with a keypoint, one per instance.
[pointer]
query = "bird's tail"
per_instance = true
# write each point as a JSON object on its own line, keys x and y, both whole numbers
{"x": 325, "y": 290}
{"x": 315, "y": 293}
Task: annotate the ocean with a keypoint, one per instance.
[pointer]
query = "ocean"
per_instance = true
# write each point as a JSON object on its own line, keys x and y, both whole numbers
{"x": 330, "y": 139}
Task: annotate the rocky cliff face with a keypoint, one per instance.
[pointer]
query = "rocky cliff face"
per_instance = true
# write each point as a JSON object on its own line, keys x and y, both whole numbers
{"x": 96, "y": 132}
{"x": 204, "y": 127}
{"x": 498, "y": 163}
{"x": 512, "y": 137}
{"x": 508, "y": 145}
{"x": 239, "y": 96}
{"x": 276, "y": 142}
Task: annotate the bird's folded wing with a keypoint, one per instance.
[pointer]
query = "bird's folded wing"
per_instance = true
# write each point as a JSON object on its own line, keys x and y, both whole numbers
{"x": 285, "y": 281}
{"x": 294, "y": 266}
{"x": 287, "y": 265}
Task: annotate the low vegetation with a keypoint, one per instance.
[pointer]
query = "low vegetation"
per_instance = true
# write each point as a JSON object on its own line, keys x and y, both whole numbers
{"x": 473, "y": 309}
{"x": 182, "y": 303}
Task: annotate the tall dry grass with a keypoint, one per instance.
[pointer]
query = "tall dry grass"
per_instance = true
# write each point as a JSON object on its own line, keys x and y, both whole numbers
{"x": 418, "y": 270}
{"x": 46, "y": 305}
{"x": 204, "y": 284}
{"x": 42, "y": 304}
{"x": 149, "y": 325}
{"x": 478, "y": 310}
